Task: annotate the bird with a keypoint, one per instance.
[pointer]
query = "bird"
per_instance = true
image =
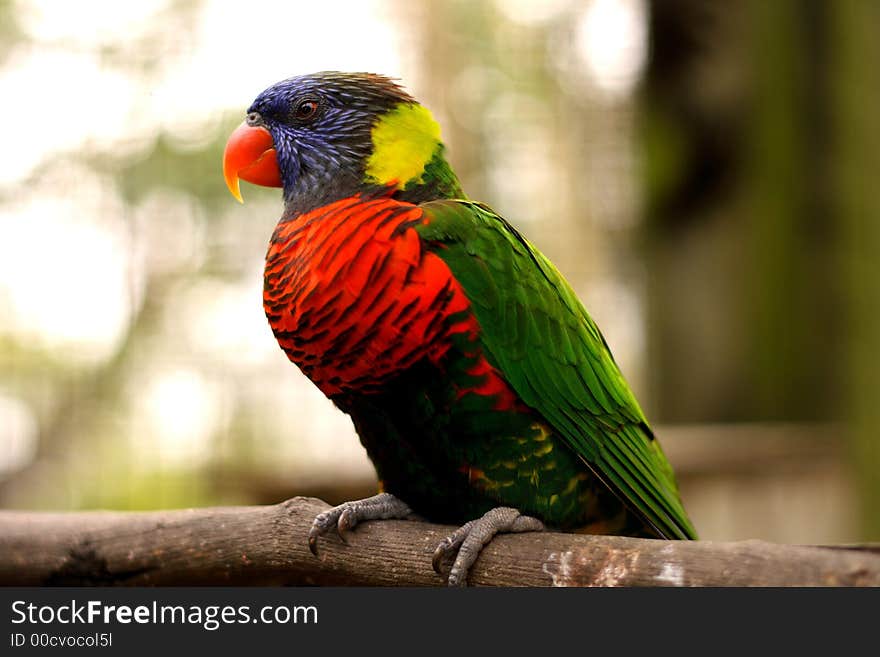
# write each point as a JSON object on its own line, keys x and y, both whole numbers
{"x": 481, "y": 389}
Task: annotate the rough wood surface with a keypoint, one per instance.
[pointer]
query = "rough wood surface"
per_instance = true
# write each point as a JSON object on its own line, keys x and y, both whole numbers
{"x": 267, "y": 545}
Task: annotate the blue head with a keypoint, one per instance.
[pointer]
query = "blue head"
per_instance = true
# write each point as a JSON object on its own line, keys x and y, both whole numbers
{"x": 335, "y": 134}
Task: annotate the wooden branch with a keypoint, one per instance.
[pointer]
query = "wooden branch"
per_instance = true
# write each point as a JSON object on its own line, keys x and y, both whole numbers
{"x": 266, "y": 545}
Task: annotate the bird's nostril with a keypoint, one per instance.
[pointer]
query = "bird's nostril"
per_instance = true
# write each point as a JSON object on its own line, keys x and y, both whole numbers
{"x": 254, "y": 118}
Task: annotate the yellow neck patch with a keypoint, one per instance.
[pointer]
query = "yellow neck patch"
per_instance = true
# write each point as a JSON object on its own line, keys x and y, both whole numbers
{"x": 404, "y": 141}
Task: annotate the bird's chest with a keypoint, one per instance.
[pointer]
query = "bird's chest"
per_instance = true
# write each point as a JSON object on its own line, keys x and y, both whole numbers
{"x": 352, "y": 297}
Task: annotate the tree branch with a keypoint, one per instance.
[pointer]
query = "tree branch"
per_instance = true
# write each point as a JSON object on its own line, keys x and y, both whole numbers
{"x": 266, "y": 545}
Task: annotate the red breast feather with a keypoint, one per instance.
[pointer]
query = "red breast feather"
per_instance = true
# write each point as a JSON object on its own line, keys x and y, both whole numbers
{"x": 352, "y": 298}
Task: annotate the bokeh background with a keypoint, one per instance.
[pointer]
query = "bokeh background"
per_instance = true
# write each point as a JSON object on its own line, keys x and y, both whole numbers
{"x": 704, "y": 173}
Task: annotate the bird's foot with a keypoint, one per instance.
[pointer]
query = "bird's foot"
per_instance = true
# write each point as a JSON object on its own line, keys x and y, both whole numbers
{"x": 347, "y": 515}
{"x": 466, "y": 542}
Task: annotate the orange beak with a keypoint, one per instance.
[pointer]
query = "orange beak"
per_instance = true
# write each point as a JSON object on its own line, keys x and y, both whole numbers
{"x": 250, "y": 156}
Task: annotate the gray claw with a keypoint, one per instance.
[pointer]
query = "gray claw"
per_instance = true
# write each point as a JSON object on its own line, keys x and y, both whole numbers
{"x": 470, "y": 538}
{"x": 449, "y": 545}
{"x": 439, "y": 554}
{"x": 347, "y": 522}
{"x": 437, "y": 559}
{"x": 319, "y": 526}
{"x": 347, "y": 515}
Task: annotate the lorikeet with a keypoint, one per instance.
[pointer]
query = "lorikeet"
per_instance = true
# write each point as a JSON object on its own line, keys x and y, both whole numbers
{"x": 481, "y": 389}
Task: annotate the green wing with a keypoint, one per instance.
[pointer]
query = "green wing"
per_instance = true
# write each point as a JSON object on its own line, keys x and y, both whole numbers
{"x": 538, "y": 334}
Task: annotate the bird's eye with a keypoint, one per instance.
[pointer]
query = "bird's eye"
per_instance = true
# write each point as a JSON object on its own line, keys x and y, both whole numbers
{"x": 306, "y": 109}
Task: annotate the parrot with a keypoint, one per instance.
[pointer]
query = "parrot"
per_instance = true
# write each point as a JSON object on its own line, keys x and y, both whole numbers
{"x": 484, "y": 394}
